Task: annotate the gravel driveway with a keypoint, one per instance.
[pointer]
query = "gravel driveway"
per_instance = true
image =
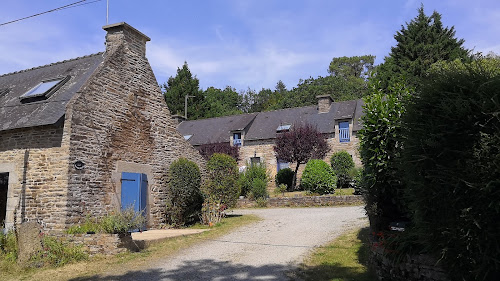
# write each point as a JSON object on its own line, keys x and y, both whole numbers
{"x": 266, "y": 250}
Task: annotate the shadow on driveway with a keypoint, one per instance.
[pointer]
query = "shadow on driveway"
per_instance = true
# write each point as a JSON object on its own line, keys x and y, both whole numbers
{"x": 204, "y": 270}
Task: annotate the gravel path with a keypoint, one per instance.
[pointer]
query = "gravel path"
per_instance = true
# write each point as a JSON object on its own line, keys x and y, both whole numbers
{"x": 266, "y": 250}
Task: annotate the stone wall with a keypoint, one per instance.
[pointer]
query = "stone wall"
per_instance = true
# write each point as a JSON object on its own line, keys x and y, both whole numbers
{"x": 305, "y": 201}
{"x": 120, "y": 123}
{"x": 37, "y": 165}
{"x": 105, "y": 244}
{"x": 414, "y": 268}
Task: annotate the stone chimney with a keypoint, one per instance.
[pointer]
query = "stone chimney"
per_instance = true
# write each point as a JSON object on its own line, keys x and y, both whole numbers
{"x": 178, "y": 118}
{"x": 324, "y": 102}
{"x": 122, "y": 33}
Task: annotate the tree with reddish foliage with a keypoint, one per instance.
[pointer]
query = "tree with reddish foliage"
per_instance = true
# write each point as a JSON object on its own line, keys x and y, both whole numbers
{"x": 207, "y": 150}
{"x": 299, "y": 145}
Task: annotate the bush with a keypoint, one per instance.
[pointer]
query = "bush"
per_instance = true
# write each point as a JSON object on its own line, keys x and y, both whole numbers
{"x": 342, "y": 164}
{"x": 8, "y": 246}
{"x": 285, "y": 176}
{"x": 184, "y": 197}
{"x": 280, "y": 189}
{"x": 318, "y": 177}
{"x": 380, "y": 149}
{"x": 223, "y": 176}
{"x": 256, "y": 171}
{"x": 116, "y": 222}
{"x": 259, "y": 189}
{"x": 452, "y": 163}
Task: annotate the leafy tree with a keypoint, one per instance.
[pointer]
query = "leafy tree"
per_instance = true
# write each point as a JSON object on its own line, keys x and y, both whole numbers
{"x": 184, "y": 198}
{"x": 299, "y": 145}
{"x": 352, "y": 67}
{"x": 252, "y": 172}
{"x": 265, "y": 99}
{"x": 219, "y": 102}
{"x": 421, "y": 43}
{"x": 176, "y": 89}
{"x": 206, "y": 150}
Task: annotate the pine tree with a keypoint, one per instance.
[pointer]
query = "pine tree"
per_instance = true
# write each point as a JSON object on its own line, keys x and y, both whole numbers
{"x": 176, "y": 89}
{"x": 421, "y": 43}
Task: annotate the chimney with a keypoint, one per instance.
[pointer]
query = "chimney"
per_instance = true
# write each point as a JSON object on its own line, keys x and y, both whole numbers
{"x": 324, "y": 102}
{"x": 123, "y": 33}
{"x": 178, "y": 118}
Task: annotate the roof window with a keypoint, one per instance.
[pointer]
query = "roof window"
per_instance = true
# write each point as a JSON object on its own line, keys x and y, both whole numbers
{"x": 283, "y": 128}
{"x": 45, "y": 88}
{"x": 187, "y": 137}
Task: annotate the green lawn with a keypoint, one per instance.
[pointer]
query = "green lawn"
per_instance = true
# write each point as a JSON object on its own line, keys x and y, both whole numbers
{"x": 343, "y": 260}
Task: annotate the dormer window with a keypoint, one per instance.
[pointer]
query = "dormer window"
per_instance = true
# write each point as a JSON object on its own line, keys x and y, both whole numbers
{"x": 237, "y": 139}
{"x": 344, "y": 132}
{"x": 44, "y": 89}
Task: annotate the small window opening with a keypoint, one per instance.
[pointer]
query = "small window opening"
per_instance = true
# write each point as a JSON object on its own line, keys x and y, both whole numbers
{"x": 237, "y": 139}
{"x": 344, "y": 132}
{"x": 255, "y": 161}
{"x": 4, "y": 186}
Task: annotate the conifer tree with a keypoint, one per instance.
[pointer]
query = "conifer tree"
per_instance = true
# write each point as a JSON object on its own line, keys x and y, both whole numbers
{"x": 421, "y": 43}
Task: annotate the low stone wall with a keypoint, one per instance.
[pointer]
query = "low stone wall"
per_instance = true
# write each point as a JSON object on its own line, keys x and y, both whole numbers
{"x": 414, "y": 268}
{"x": 106, "y": 244}
{"x": 304, "y": 201}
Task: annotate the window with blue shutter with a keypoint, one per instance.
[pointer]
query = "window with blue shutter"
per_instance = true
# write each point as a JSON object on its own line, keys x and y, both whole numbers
{"x": 344, "y": 132}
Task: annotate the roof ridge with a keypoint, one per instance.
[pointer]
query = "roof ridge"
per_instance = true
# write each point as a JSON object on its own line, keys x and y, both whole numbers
{"x": 51, "y": 64}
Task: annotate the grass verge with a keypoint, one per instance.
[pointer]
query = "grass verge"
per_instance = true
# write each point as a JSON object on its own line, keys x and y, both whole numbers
{"x": 99, "y": 265}
{"x": 344, "y": 259}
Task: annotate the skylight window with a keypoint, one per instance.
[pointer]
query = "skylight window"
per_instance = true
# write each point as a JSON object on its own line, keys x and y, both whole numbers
{"x": 187, "y": 137}
{"x": 283, "y": 128}
{"x": 45, "y": 88}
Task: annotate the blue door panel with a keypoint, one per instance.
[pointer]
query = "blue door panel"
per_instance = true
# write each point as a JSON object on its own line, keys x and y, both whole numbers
{"x": 131, "y": 191}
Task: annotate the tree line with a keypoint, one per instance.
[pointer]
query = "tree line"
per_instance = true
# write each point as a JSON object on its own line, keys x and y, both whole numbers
{"x": 347, "y": 79}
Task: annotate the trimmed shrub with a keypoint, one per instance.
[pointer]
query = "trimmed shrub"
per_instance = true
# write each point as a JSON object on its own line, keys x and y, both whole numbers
{"x": 318, "y": 177}
{"x": 252, "y": 172}
{"x": 342, "y": 164}
{"x": 285, "y": 176}
{"x": 451, "y": 158}
{"x": 184, "y": 197}
{"x": 380, "y": 149}
{"x": 223, "y": 176}
{"x": 259, "y": 189}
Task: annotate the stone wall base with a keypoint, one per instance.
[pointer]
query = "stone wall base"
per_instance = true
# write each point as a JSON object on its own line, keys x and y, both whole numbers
{"x": 413, "y": 268}
{"x": 304, "y": 201}
{"x": 106, "y": 244}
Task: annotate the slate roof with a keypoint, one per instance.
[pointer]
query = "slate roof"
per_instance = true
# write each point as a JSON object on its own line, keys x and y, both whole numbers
{"x": 214, "y": 130}
{"x": 15, "y": 114}
{"x": 263, "y": 125}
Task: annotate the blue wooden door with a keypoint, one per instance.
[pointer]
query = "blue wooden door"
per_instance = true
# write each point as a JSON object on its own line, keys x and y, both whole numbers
{"x": 134, "y": 191}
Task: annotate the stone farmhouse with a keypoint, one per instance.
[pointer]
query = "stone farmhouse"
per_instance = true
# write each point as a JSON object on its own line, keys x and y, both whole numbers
{"x": 87, "y": 136}
{"x": 255, "y": 133}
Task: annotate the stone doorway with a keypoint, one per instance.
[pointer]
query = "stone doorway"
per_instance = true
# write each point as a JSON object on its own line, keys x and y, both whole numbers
{"x": 4, "y": 187}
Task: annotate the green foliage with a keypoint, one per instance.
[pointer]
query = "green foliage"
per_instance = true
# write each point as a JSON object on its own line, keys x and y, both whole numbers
{"x": 285, "y": 176}
{"x": 219, "y": 102}
{"x": 352, "y": 67}
{"x": 342, "y": 164}
{"x": 252, "y": 172}
{"x": 184, "y": 197}
{"x": 176, "y": 89}
{"x": 8, "y": 246}
{"x": 115, "y": 222}
{"x": 57, "y": 253}
{"x": 223, "y": 176}
{"x": 452, "y": 164}
{"x": 380, "y": 147}
{"x": 280, "y": 189}
{"x": 318, "y": 177}
{"x": 421, "y": 43}
{"x": 259, "y": 189}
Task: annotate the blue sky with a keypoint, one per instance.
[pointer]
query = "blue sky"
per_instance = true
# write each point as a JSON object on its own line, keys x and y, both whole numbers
{"x": 240, "y": 43}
